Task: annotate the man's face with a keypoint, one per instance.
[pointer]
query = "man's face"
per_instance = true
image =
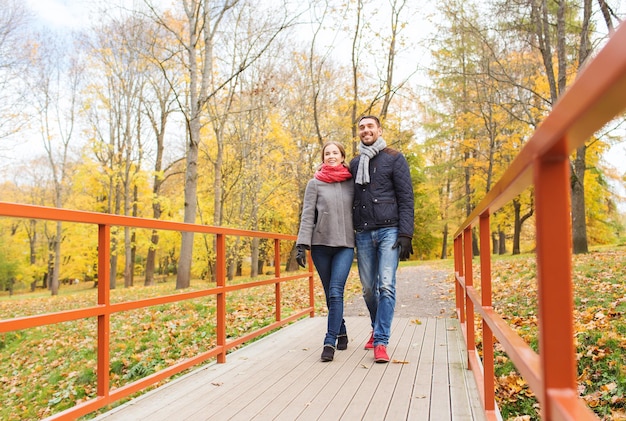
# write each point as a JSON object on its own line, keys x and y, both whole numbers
{"x": 369, "y": 131}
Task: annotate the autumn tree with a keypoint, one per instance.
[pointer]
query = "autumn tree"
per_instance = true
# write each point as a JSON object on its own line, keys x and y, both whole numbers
{"x": 560, "y": 32}
{"x": 158, "y": 105}
{"x": 115, "y": 111}
{"x": 474, "y": 135}
{"x": 198, "y": 33}
{"x": 374, "y": 86}
{"x": 56, "y": 84}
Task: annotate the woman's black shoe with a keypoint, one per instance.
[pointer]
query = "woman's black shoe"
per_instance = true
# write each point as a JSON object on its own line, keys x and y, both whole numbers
{"x": 328, "y": 353}
{"x": 342, "y": 342}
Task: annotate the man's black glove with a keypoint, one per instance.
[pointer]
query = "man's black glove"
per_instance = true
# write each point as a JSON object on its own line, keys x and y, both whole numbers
{"x": 406, "y": 248}
{"x": 301, "y": 255}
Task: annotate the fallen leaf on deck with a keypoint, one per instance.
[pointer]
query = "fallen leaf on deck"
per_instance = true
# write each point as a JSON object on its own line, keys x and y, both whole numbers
{"x": 217, "y": 383}
{"x": 399, "y": 362}
{"x": 416, "y": 321}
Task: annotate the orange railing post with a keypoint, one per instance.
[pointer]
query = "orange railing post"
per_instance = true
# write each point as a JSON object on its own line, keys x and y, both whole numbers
{"x": 485, "y": 289}
{"x": 277, "y": 293}
{"x": 460, "y": 274}
{"x": 470, "y": 335}
{"x": 220, "y": 278}
{"x": 555, "y": 291}
{"x": 104, "y": 320}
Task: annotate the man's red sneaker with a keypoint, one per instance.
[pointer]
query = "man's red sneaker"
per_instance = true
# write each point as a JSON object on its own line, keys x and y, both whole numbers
{"x": 370, "y": 343}
{"x": 380, "y": 354}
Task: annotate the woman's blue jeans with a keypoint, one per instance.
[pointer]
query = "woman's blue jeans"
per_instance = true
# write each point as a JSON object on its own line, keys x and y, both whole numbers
{"x": 333, "y": 266}
{"x": 378, "y": 263}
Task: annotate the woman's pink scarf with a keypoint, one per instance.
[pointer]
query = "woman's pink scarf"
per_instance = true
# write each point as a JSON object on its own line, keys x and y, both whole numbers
{"x": 333, "y": 174}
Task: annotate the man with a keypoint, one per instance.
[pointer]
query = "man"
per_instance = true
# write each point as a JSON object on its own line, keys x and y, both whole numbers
{"x": 383, "y": 221}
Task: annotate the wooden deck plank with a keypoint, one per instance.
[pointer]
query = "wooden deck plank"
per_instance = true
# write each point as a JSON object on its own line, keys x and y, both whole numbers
{"x": 361, "y": 390}
{"x": 350, "y": 361}
{"x": 333, "y": 403}
{"x": 440, "y": 390}
{"x": 462, "y": 387}
{"x": 281, "y": 377}
{"x": 361, "y": 361}
{"x": 420, "y": 405}
{"x": 404, "y": 393}
{"x": 387, "y": 387}
{"x": 313, "y": 398}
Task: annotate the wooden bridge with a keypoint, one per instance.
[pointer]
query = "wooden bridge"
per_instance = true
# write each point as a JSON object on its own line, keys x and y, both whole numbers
{"x": 281, "y": 377}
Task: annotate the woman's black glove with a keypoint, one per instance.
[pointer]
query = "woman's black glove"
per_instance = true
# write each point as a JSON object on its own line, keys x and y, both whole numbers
{"x": 301, "y": 255}
{"x": 406, "y": 248}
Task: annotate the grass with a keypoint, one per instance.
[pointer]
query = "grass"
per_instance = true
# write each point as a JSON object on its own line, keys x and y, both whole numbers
{"x": 599, "y": 327}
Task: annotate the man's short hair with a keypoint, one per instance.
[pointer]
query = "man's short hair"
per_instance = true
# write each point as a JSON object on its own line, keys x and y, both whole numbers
{"x": 373, "y": 117}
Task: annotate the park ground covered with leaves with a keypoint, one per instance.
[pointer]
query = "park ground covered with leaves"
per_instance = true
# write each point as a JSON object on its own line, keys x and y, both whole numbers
{"x": 600, "y": 331}
{"x": 48, "y": 369}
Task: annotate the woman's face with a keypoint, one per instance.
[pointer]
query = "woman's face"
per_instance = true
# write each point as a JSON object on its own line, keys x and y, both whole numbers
{"x": 332, "y": 155}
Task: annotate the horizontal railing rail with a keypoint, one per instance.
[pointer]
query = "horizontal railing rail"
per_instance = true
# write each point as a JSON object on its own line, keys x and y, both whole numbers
{"x": 594, "y": 99}
{"x": 104, "y": 308}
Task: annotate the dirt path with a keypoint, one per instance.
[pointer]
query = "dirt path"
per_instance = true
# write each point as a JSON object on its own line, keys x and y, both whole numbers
{"x": 421, "y": 291}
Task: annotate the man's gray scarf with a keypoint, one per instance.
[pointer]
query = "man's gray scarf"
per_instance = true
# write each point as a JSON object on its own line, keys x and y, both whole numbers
{"x": 367, "y": 153}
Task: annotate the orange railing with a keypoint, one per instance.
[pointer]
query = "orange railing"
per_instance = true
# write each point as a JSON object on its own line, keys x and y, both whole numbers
{"x": 595, "y": 98}
{"x": 104, "y": 308}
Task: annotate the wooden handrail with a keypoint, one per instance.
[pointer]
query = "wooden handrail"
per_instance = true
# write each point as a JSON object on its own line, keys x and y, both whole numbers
{"x": 103, "y": 310}
{"x": 594, "y": 99}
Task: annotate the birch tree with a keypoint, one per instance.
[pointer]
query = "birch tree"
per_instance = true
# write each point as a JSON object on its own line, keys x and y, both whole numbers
{"x": 202, "y": 24}
{"x": 56, "y": 87}
{"x": 115, "y": 114}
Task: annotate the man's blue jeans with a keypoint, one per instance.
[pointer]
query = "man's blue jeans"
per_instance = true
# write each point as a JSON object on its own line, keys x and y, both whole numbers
{"x": 378, "y": 263}
{"x": 333, "y": 266}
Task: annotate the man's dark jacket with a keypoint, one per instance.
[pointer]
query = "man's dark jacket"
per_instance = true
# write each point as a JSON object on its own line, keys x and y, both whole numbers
{"x": 387, "y": 201}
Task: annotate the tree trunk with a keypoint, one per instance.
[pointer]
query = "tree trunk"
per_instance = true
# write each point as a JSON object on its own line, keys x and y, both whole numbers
{"x": 502, "y": 242}
{"x": 475, "y": 246}
{"x": 113, "y": 274}
{"x": 254, "y": 258}
{"x": 183, "y": 275}
{"x": 517, "y": 227}
{"x": 444, "y": 242}
{"x": 579, "y": 213}
{"x": 127, "y": 257}
{"x": 151, "y": 259}
{"x": 56, "y": 268}
{"x": 579, "y": 223}
{"x": 355, "y": 79}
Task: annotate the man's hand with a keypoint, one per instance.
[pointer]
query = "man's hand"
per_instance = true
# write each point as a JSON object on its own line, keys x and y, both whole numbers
{"x": 301, "y": 255}
{"x": 406, "y": 248}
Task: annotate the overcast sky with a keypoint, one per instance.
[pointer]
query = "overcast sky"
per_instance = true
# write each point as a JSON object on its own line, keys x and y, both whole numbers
{"x": 61, "y": 13}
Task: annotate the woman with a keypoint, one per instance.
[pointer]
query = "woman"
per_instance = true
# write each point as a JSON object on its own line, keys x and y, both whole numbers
{"x": 326, "y": 229}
